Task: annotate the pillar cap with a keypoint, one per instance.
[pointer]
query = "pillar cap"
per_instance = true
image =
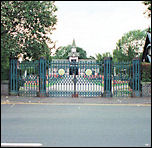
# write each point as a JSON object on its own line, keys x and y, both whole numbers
{"x": 107, "y": 58}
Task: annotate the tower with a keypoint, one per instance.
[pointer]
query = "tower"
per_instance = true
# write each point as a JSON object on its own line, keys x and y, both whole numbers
{"x": 73, "y": 46}
{"x": 73, "y": 55}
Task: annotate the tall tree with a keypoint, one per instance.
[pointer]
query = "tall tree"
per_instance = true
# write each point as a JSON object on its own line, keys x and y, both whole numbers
{"x": 25, "y": 26}
{"x": 129, "y": 45}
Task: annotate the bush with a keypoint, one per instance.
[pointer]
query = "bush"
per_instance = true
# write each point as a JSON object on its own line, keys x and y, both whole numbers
{"x": 146, "y": 72}
{"x": 4, "y": 68}
{"x": 5, "y": 74}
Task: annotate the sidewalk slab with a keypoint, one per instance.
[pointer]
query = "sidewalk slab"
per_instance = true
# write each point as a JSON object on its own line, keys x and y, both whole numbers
{"x": 97, "y": 100}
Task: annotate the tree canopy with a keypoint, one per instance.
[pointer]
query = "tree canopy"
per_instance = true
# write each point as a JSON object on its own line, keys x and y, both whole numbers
{"x": 129, "y": 45}
{"x": 100, "y": 57}
{"x": 25, "y": 26}
{"x": 148, "y": 10}
{"x": 63, "y": 51}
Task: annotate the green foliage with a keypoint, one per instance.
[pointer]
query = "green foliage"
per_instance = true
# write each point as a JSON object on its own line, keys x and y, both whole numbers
{"x": 148, "y": 10}
{"x": 83, "y": 53}
{"x": 26, "y": 24}
{"x": 92, "y": 58}
{"x": 100, "y": 57}
{"x": 24, "y": 28}
{"x": 129, "y": 45}
{"x": 146, "y": 72}
{"x": 4, "y": 66}
{"x": 63, "y": 51}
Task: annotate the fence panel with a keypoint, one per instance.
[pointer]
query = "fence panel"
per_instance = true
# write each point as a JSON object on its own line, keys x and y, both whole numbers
{"x": 122, "y": 79}
{"x": 28, "y": 78}
{"x": 75, "y": 79}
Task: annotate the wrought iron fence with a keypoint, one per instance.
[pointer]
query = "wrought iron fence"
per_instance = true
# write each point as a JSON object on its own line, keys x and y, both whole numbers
{"x": 75, "y": 79}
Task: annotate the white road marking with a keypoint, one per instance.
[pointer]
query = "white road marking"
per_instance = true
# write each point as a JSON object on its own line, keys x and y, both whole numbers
{"x": 148, "y": 145}
{"x": 20, "y": 144}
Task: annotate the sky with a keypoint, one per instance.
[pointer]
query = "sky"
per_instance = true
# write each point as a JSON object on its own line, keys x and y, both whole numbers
{"x": 96, "y": 26}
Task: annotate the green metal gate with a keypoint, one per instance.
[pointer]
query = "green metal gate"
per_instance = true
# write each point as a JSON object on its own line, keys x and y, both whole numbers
{"x": 126, "y": 78}
{"x": 75, "y": 79}
{"x": 83, "y": 79}
{"x": 122, "y": 79}
{"x": 28, "y": 78}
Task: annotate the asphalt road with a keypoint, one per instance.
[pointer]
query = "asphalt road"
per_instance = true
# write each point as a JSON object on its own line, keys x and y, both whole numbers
{"x": 76, "y": 125}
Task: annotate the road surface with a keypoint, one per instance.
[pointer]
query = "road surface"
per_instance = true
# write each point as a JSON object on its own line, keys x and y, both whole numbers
{"x": 76, "y": 124}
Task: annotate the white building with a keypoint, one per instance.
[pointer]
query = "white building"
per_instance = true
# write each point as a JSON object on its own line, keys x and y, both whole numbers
{"x": 73, "y": 57}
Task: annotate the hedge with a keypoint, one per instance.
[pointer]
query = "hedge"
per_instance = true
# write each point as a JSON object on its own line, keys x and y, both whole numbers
{"x": 145, "y": 72}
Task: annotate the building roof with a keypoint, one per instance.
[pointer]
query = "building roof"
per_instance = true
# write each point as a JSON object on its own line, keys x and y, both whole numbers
{"x": 147, "y": 46}
{"x": 149, "y": 36}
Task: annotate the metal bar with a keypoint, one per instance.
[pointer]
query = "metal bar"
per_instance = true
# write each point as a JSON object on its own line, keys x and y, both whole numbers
{"x": 138, "y": 75}
{"x": 11, "y": 75}
{"x": 16, "y": 79}
{"x": 133, "y": 75}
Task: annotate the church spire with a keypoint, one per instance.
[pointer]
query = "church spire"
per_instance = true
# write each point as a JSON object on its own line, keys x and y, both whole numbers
{"x": 73, "y": 52}
{"x": 73, "y": 44}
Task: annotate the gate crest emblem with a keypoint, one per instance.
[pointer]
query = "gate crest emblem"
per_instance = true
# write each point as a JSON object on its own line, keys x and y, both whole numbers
{"x": 61, "y": 72}
{"x": 88, "y": 72}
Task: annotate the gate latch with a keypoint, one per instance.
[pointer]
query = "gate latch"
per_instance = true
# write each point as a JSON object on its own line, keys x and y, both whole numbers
{"x": 74, "y": 80}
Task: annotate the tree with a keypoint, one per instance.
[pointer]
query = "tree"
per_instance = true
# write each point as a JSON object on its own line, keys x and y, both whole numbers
{"x": 148, "y": 4}
{"x": 129, "y": 45}
{"x": 63, "y": 51}
{"x": 92, "y": 57}
{"x": 100, "y": 57}
{"x": 27, "y": 24}
{"x": 24, "y": 28}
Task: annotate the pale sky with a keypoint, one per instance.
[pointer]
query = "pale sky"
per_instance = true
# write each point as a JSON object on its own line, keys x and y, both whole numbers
{"x": 96, "y": 26}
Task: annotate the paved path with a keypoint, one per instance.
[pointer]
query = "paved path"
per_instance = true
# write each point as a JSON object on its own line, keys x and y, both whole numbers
{"x": 97, "y": 100}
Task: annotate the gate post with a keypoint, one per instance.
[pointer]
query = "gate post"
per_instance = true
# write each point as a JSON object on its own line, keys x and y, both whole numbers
{"x": 13, "y": 80}
{"x": 42, "y": 77}
{"x": 136, "y": 78}
{"x": 107, "y": 77}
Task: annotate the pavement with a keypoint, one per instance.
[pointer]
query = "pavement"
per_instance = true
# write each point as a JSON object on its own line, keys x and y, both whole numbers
{"x": 70, "y": 100}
